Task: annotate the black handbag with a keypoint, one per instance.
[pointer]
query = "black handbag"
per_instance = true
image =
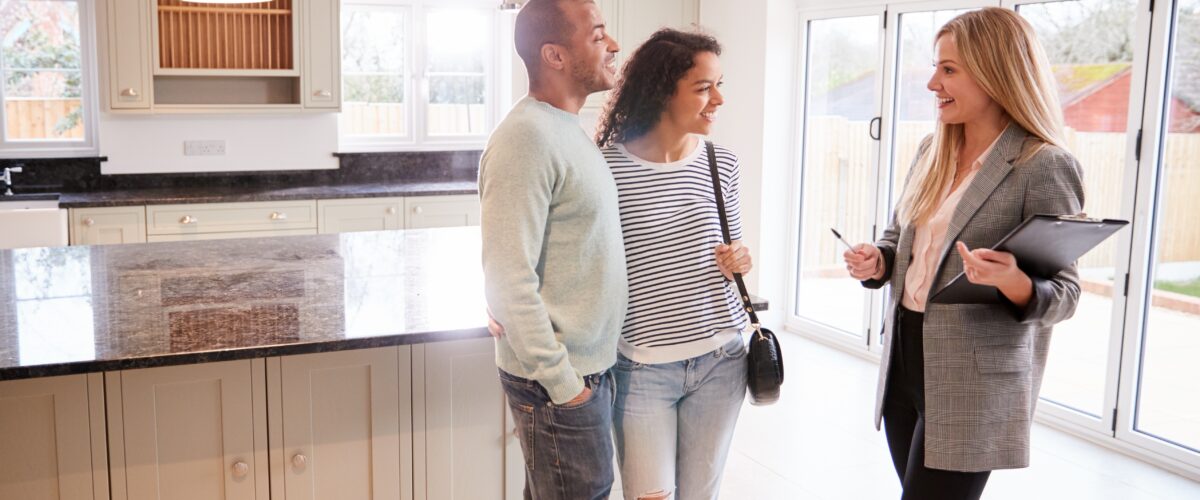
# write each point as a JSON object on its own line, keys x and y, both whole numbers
{"x": 764, "y": 359}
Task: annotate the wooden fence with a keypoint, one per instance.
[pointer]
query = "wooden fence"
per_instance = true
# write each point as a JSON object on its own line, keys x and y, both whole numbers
{"x": 389, "y": 119}
{"x": 32, "y": 119}
{"x": 838, "y": 190}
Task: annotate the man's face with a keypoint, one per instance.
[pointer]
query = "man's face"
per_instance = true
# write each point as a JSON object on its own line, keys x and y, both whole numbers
{"x": 591, "y": 52}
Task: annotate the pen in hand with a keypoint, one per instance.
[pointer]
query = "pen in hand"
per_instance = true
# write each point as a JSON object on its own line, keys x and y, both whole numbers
{"x": 844, "y": 242}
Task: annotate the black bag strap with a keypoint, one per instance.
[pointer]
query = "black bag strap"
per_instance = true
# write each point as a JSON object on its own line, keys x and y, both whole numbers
{"x": 741, "y": 285}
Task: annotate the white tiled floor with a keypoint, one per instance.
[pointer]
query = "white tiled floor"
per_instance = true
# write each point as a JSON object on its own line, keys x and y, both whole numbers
{"x": 818, "y": 442}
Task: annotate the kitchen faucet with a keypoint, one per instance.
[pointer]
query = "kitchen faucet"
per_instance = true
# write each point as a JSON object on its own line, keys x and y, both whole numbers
{"x": 8, "y": 171}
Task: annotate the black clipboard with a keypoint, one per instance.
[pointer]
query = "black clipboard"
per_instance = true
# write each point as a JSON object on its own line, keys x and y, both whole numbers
{"x": 1043, "y": 246}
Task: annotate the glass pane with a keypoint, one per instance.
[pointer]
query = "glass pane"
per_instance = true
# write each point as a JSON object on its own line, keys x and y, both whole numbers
{"x": 915, "y": 111}
{"x": 1167, "y": 406}
{"x": 457, "y": 40}
{"x": 373, "y": 71}
{"x": 456, "y": 105}
{"x": 1089, "y": 43}
{"x": 43, "y": 80}
{"x": 838, "y": 170}
{"x": 458, "y": 48}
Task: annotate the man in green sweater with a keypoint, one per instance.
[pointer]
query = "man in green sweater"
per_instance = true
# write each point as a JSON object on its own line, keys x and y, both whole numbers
{"x": 553, "y": 258}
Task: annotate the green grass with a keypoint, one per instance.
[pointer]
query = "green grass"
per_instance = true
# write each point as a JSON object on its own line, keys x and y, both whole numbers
{"x": 1185, "y": 287}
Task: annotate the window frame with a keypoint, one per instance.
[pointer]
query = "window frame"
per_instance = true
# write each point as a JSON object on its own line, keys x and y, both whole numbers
{"x": 417, "y": 86}
{"x": 89, "y": 98}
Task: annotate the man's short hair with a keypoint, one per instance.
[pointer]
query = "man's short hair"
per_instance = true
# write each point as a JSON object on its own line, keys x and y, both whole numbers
{"x": 540, "y": 22}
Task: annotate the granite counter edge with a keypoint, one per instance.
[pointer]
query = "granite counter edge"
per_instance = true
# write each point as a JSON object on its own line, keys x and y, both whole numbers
{"x": 238, "y": 353}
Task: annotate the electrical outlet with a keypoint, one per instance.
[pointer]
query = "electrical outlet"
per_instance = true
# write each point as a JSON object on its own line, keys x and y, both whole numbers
{"x": 204, "y": 148}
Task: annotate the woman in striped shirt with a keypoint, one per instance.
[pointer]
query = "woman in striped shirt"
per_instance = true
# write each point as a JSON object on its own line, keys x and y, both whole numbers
{"x": 681, "y": 368}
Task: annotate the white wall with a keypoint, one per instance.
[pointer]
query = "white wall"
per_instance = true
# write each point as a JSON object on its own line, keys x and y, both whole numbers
{"x": 759, "y": 42}
{"x": 154, "y": 143}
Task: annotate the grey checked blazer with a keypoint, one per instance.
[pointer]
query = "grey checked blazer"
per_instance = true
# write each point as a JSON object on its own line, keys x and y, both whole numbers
{"x": 984, "y": 362}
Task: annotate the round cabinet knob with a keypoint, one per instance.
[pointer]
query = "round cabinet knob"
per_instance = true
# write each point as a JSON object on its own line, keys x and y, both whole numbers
{"x": 130, "y": 92}
{"x": 323, "y": 93}
{"x": 418, "y": 210}
{"x": 240, "y": 470}
{"x": 299, "y": 460}
{"x": 278, "y": 216}
{"x": 187, "y": 219}
{"x": 391, "y": 211}
{"x": 89, "y": 222}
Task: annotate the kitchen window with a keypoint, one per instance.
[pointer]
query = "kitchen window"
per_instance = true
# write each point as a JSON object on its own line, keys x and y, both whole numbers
{"x": 418, "y": 74}
{"x": 47, "y": 78}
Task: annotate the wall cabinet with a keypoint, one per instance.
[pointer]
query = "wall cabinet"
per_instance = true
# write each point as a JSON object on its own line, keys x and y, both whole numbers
{"x": 631, "y": 22}
{"x": 191, "y": 432}
{"x": 179, "y": 56}
{"x": 108, "y": 225}
{"x": 48, "y": 441}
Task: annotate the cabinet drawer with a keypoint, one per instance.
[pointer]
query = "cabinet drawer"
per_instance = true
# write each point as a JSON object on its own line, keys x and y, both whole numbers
{"x": 108, "y": 225}
{"x": 156, "y": 238}
{"x": 230, "y": 217}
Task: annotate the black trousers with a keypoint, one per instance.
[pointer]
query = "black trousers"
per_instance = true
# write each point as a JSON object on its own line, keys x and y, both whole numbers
{"x": 904, "y": 422}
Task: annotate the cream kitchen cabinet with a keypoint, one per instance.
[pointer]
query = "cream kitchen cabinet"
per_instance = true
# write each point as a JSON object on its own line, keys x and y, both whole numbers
{"x": 185, "y": 57}
{"x": 52, "y": 438}
{"x": 441, "y": 211}
{"x": 341, "y": 425}
{"x": 459, "y": 420}
{"x": 108, "y": 225}
{"x": 631, "y": 22}
{"x": 189, "y": 432}
{"x": 360, "y": 214}
{"x": 230, "y": 220}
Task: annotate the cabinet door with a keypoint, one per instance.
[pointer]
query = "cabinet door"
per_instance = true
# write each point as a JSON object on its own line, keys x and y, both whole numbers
{"x": 369, "y": 214}
{"x": 322, "y": 72}
{"x": 347, "y": 421}
{"x": 638, "y": 19}
{"x": 45, "y": 439}
{"x": 441, "y": 211}
{"x": 126, "y": 29}
{"x": 108, "y": 225}
{"x": 463, "y": 433}
{"x": 191, "y": 432}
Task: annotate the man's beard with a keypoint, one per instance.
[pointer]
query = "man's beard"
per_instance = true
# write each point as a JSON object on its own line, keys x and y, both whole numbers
{"x": 589, "y": 78}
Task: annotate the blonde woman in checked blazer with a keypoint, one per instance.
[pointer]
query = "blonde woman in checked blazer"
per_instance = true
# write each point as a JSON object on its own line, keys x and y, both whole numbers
{"x": 958, "y": 382}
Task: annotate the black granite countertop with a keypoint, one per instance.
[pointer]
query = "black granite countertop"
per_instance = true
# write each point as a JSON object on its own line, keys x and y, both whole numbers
{"x": 84, "y": 309}
{"x": 163, "y": 196}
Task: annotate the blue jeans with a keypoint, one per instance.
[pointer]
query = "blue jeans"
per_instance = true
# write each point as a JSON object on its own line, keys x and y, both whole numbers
{"x": 568, "y": 449}
{"x": 674, "y": 422}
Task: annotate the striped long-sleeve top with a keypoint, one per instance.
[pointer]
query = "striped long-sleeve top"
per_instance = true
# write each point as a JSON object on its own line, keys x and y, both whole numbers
{"x": 680, "y": 305}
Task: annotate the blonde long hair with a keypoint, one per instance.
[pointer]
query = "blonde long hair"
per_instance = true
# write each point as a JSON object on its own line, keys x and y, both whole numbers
{"x": 1001, "y": 52}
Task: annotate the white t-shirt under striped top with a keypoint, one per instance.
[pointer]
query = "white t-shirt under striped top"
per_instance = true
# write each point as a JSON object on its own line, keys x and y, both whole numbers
{"x": 680, "y": 305}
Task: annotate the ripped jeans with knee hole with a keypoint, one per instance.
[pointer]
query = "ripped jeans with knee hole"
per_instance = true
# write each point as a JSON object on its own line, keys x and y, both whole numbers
{"x": 674, "y": 422}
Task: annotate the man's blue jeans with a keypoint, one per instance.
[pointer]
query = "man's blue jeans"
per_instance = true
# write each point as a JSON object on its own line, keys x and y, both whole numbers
{"x": 568, "y": 449}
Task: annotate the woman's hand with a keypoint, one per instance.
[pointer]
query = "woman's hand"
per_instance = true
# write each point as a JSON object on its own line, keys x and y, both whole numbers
{"x": 733, "y": 258}
{"x": 494, "y": 327}
{"x": 999, "y": 269}
{"x": 864, "y": 262}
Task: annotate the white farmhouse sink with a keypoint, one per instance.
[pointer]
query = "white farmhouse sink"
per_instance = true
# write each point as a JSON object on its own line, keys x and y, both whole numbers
{"x": 32, "y": 223}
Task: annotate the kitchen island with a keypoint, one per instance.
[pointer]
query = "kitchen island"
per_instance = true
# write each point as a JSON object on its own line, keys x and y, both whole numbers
{"x": 353, "y": 365}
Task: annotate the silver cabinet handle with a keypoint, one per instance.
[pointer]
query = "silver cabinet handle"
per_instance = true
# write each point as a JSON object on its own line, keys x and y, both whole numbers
{"x": 278, "y": 216}
{"x": 187, "y": 219}
{"x": 322, "y": 93}
{"x": 391, "y": 211}
{"x": 299, "y": 461}
{"x": 240, "y": 469}
{"x": 89, "y": 222}
{"x": 129, "y": 92}
{"x": 418, "y": 210}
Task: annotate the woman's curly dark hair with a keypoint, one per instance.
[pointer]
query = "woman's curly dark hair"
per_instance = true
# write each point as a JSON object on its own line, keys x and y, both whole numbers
{"x": 648, "y": 82}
